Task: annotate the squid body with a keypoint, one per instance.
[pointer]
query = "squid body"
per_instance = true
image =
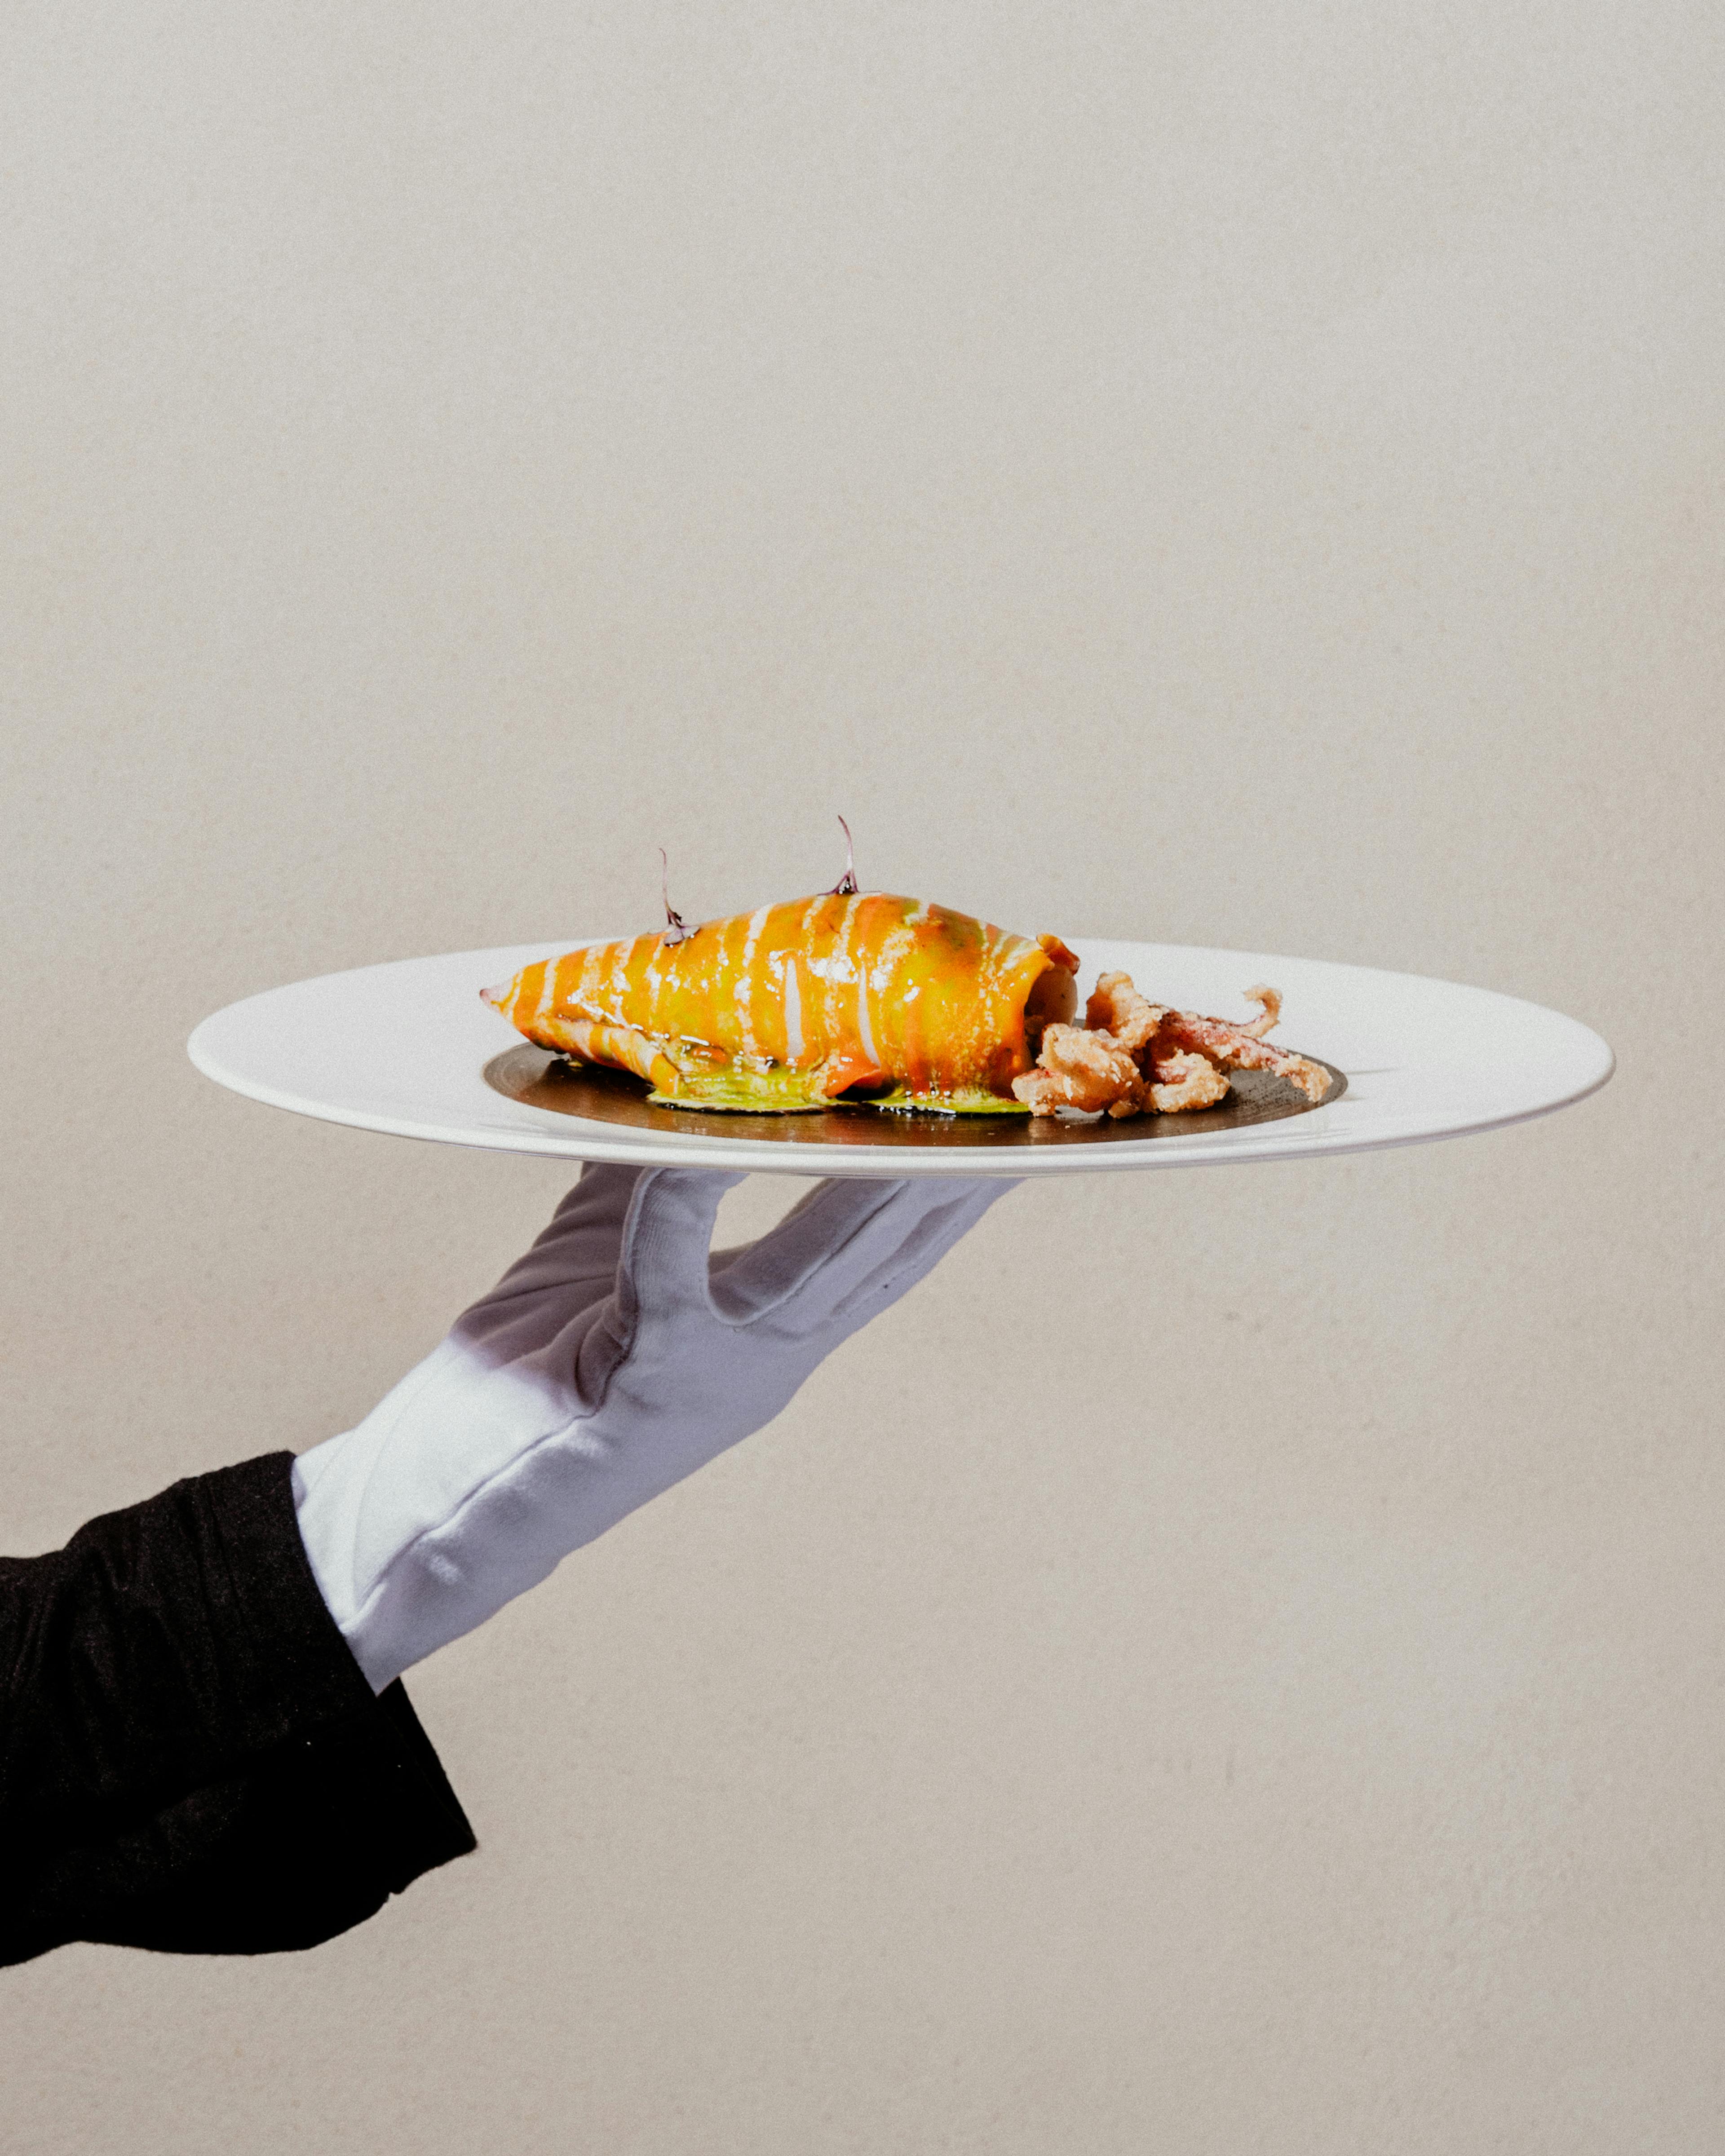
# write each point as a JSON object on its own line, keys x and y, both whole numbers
{"x": 893, "y": 1000}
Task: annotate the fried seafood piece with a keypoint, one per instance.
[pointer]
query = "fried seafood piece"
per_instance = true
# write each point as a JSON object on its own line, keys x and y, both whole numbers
{"x": 1185, "y": 1081}
{"x": 1115, "y": 1006}
{"x": 1170, "y": 1080}
{"x": 1242, "y": 1048}
{"x": 1133, "y": 1056}
{"x": 1084, "y": 1070}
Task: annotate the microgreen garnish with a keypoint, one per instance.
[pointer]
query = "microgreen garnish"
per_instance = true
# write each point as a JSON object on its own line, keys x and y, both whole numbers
{"x": 678, "y": 931}
{"x": 847, "y": 886}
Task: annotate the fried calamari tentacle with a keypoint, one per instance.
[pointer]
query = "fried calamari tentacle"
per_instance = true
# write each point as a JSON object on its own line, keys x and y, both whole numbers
{"x": 1237, "y": 1049}
{"x": 1171, "y": 1079}
{"x": 1090, "y": 1071}
{"x": 1133, "y": 1057}
{"x": 1185, "y": 1079}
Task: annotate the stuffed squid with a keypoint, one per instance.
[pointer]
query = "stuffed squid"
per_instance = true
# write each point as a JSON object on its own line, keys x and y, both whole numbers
{"x": 850, "y": 995}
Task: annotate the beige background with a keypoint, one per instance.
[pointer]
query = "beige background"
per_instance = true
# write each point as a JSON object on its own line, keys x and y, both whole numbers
{"x": 1237, "y": 1661}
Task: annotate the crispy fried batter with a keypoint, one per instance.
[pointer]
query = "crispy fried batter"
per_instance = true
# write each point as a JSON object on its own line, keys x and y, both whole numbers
{"x": 1133, "y": 1056}
{"x": 1078, "y": 1070}
{"x": 1237, "y": 1048}
{"x": 1185, "y": 1081}
{"x": 1115, "y": 1006}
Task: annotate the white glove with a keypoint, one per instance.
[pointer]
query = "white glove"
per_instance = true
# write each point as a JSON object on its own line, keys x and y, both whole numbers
{"x": 614, "y": 1358}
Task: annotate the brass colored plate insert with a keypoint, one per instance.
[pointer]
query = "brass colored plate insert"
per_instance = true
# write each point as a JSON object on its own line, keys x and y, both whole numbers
{"x": 543, "y": 1081}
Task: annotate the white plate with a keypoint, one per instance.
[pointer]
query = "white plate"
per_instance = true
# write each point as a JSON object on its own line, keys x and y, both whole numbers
{"x": 405, "y": 1047}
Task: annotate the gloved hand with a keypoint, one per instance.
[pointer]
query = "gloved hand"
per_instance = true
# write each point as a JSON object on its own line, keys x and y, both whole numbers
{"x": 617, "y": 1357}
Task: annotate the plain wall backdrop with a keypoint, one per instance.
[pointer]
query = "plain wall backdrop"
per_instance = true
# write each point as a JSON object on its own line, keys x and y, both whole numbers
{"x": 1236, "y": 1661}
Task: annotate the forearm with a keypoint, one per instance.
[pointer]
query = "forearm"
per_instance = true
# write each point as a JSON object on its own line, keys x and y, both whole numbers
{"x": 191, "y": 1758}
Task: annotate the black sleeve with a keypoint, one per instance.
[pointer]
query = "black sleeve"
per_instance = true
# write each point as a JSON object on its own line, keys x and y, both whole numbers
{"x": 190, "y": 1759}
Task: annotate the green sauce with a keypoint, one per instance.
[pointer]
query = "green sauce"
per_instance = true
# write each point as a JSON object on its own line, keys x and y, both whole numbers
{"x": 786, "y": 1092}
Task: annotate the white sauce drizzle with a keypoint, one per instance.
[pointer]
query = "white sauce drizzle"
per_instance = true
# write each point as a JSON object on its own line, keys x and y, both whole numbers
{"x": 547, "y": 995}
{"x": 862, "y": 1016}
{"x": 745, "y": 990}
{"x": 792, "y": 1011}
{"x": 846, "y": 965}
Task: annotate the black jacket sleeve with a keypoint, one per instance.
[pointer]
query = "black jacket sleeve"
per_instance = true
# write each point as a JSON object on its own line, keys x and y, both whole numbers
{"x": 190, "y": 1759}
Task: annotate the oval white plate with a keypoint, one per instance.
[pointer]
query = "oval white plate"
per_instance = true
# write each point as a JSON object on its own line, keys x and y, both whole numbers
{"x": 404, "y": 1049}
